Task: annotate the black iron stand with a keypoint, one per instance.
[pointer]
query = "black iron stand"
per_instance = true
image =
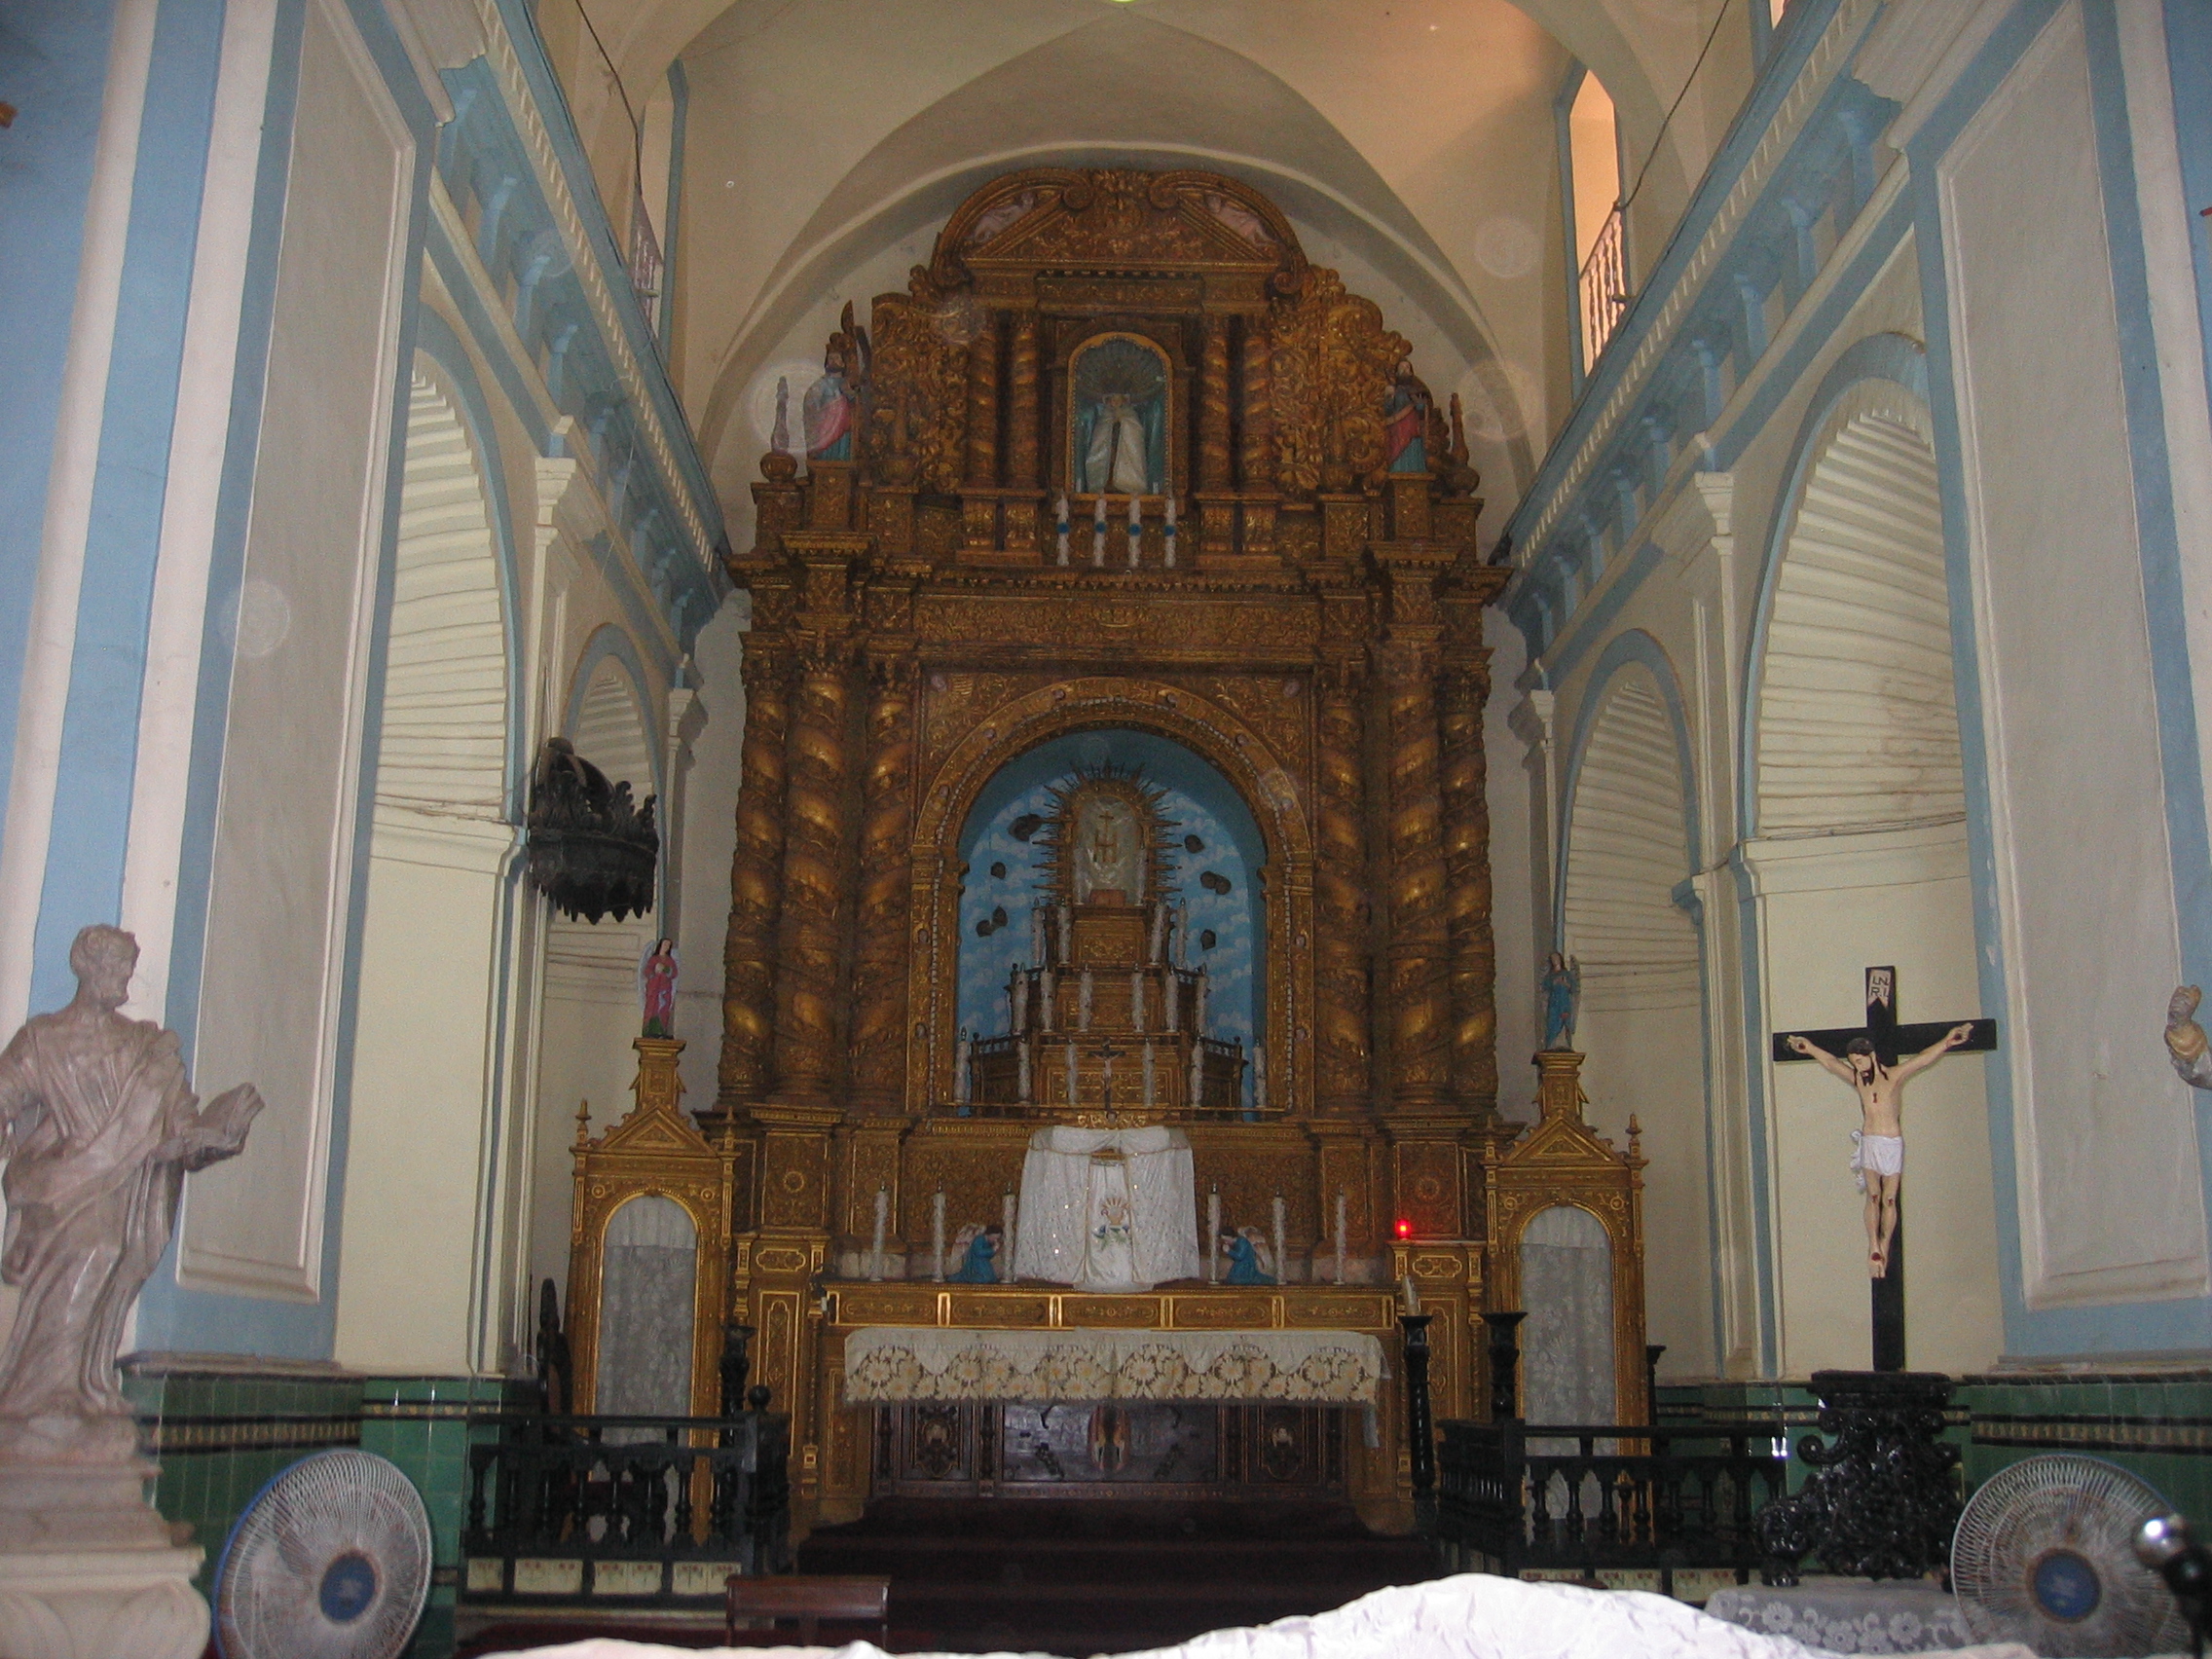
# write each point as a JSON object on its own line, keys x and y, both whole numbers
{"x": 1504, "y": 1364}
{"x": 1882, "y": 1502}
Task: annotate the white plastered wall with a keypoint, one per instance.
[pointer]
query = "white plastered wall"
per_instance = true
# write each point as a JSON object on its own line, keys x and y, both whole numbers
{"x": 2110, "y": 1190}
{"x": 273, "y": 966}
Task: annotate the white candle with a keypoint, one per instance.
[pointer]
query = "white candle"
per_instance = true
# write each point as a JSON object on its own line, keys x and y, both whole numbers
{"x": 1199, "y": 1011}
{"x": 1048, "y": 999}
{"x": 1067, "y": 932}
{"x": 1036, "y": 932}
{"x": 1339, "y": 1236}
{"x": 882, "y": 1222}
{"x": 1020, "y": 999}
{"x": 1021, "y": 1054}
{"x": 1197, "y": 1072}
{"x": 963, "y": 1072}
{"x": 1411, "y": 1295}
{"x": 1083, "y": 1002}
{"x": 1213, "y": 1235}
{"x": 1106, "y": 1080}
{"x": 1149, "y": 1083}
{"x": 1158, "y": 929}
{"x": 1098, "y": 535}
{"x": 1074, "y": 1074}
{"x": 1136, "y": 999}
{"x": 1167, "y": 538}
{"x": 1136, "y": 530}
{"x": 1281, "y": 1261}
{"x": 937, "y": 1235}
{"x": 1259, "y": 1077}
{"x": 1060, "y": 526}
{"x": 1006, "y": 1242}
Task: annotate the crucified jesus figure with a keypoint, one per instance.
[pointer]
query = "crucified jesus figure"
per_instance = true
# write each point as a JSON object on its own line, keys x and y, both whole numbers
{"x": 1877, "y": 1146}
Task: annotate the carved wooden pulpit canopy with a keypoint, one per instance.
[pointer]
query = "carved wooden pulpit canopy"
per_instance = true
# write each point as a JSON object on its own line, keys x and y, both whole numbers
{"x": 1120, "y": 460}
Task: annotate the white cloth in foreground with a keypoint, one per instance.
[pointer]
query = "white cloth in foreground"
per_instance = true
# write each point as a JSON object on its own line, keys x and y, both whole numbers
{"x": 1107, "y": 1210}
{"x": 1473, "y": 1616}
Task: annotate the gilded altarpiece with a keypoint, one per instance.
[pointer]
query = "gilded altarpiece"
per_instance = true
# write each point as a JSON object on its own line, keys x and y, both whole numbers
{"x": 1120, "y": 464}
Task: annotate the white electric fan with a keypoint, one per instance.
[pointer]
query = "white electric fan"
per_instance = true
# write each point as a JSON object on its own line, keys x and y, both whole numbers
{"x": 2044, "y": 1554}
{"x": 330, "y": 1561}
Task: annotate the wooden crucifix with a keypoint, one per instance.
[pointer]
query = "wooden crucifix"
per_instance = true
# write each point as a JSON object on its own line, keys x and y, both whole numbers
{"x": 1876, "y": 1059}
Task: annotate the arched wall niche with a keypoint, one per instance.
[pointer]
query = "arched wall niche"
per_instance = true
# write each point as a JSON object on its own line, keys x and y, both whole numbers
{"x": 430, "y": 1068}
{"x": 1857, "y": 713}
{"x": 1202, "y": 805}
{"x": 1628, "y": 842}
{"x": 1138, "y": 706}
{"x": 1855, "y": 850}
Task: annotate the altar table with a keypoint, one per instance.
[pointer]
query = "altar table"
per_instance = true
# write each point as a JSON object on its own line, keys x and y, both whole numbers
{"x": 1107, "y": 1210}
{"x": 886, "y": 1364}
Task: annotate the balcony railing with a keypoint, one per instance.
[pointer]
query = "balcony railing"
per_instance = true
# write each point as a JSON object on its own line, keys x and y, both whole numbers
{"x": 1581, "y": 1499}
{"x": 1604, "y": 288}
{"x": 645, "y": 1511}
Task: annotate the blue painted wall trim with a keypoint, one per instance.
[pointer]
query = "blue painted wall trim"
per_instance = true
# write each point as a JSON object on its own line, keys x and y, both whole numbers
{"x": 61, "y": 48}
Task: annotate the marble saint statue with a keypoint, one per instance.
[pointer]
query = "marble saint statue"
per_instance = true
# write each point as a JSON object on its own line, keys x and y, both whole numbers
{"x": 99, "y": 1126}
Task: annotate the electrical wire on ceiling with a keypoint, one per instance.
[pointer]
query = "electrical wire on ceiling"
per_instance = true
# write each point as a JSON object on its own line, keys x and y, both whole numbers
{"x": 1718, "y": 18}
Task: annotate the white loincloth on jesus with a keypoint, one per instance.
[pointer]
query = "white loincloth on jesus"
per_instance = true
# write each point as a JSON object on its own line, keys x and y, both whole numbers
{"x": 1882, "y": 1154}
{"x": 1471, "y": 1617}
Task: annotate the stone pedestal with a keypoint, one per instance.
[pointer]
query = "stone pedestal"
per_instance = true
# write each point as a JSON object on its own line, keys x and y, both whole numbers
{"x": 88, "y": 1570}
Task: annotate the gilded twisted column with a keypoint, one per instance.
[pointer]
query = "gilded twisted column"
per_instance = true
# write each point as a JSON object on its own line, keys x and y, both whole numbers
{"x": 1467, "y": 884}
{"x": 748, "y": 948}
{"x": 886, "y": 870}
{"x": 983, "y": 403}
{"x": 808, "y": 1051}
{"x": 1021, "y": 375}
{"x": 1213, "y": 407}
{"x": 1340, "y": 893}
{"x": 1414, "y": 989}
{"x": 1256, "y": 465}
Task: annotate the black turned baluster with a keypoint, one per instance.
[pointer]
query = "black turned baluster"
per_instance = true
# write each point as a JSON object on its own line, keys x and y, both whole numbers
{"x": 1651, "y": 1353}
{"x": 686, "y": 1465}
{"x": 1504, "y": 1365}
{"x": 1420, "y": 1434}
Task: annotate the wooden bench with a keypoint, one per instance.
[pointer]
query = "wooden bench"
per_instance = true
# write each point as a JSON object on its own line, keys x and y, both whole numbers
{"x": 810, "y": 1601}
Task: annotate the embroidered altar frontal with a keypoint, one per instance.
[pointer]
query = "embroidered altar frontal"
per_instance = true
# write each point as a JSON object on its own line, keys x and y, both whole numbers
{"x": 890, "y": 1364}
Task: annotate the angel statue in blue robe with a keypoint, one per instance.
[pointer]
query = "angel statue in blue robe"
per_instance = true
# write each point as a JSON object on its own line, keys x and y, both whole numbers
{"x": 1246, "y": 1266}
{"x": 1563, "y": 993}
{"x": 979, "y": 1264}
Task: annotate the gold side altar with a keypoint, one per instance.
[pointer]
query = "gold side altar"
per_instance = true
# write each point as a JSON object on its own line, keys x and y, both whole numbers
{"x": 1119, "y": 459}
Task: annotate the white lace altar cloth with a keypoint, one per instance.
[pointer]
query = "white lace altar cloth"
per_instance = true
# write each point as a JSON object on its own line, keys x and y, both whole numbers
{"x": 1107, "y": 1210}
{"x": 889, "y": 1363}
{"x": 1850, "y": 1615}
{"x": 1473, "y": 1616}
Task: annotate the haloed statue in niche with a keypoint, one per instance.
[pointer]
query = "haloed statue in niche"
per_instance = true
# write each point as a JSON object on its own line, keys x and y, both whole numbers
{"x": 1109, "y": 853}
{"x": 1405, "y": 422}
{"x": 1119, "y": 446}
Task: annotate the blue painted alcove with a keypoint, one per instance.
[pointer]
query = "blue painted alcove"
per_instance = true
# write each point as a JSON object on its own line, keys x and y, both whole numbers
{"x": 1199, "y": 801}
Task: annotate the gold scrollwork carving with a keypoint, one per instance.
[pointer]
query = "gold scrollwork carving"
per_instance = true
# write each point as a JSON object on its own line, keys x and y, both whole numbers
{"x": 1332, "y": 368}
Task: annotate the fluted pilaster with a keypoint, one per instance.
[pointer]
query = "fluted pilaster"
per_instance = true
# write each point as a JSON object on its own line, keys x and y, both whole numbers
{"x": 886, "y": 873}
{"x": 749, "y": 948}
